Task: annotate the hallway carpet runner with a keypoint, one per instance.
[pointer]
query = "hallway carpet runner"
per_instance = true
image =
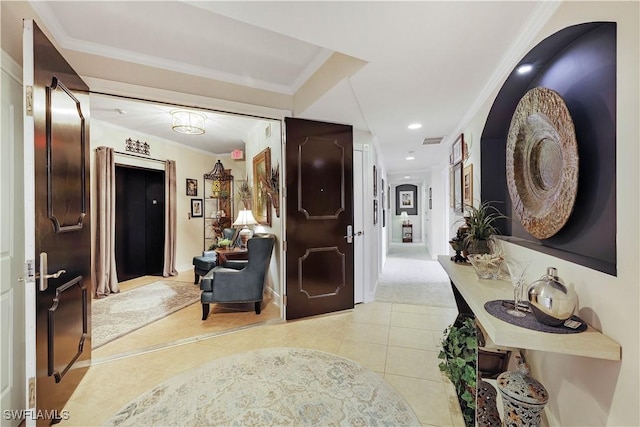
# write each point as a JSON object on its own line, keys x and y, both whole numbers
{"x": 271, "y": 387}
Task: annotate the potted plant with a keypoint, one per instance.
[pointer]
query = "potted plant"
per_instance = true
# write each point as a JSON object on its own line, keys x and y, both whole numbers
{"x": 459, "y": 356}
{"x": 481, "y": 227}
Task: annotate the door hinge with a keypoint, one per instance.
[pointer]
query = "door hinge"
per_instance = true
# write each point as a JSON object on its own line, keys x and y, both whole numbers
{"x": 284, "y": 300}
{"x": 284, "y": 246}
{"x": 32, "y": 392}
{"x": 29, "y": 100}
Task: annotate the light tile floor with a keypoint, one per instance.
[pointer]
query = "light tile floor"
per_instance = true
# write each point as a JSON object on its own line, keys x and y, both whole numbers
{"x": 398, "y": 341}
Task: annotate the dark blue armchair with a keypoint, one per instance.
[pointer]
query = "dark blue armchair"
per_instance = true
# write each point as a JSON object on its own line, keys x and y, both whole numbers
{"x": 239, "y": 281}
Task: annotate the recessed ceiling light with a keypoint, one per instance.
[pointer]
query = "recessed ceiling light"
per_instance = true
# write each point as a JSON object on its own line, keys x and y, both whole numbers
{"x": 410, "y": 158}
{"x": 524, "y": 68}
{"x": 415, "y": 126}
{"x": 407, "y": 177}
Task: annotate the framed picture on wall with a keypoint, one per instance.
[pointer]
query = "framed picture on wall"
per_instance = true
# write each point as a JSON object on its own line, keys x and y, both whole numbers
{"x": 196, "y": 208}
{"x": 261, "y": 174}
{"x": 457, "y": 149}
{"x": 375, "y": 181}
{"x": 467, "y": 186}
{"x": 375, "y": 211}
{"x": 406, "y": 199}
{"x": 457, "y": 187}
{"x": 192, "y": 187}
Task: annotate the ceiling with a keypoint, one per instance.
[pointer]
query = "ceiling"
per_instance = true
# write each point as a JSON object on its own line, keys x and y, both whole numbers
{"x": 425, "y": 62}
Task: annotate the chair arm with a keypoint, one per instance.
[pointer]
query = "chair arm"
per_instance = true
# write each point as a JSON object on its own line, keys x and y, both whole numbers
{"x": 206, "y": 284}
{"x": 236, "y": 264}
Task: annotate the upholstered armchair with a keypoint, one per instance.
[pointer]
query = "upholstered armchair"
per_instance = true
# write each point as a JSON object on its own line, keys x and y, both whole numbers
{"x": 239, "y": 281}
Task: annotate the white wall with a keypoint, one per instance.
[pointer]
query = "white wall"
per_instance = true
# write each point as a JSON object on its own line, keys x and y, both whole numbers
{"x": 372, "y": 234}
{"x": 585, "y": 391}
{"x": 255, "y": 143}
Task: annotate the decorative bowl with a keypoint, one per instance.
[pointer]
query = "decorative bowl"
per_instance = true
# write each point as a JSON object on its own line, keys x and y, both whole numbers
{"x": 487, "y": 266}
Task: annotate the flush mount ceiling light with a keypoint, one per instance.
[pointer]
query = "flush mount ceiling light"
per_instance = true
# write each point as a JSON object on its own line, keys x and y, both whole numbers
{"x": 415, "y": 126}
{"x": 188, "y": 122}
{"x": 410, "y": 156}
{"x": 524, "y": 68}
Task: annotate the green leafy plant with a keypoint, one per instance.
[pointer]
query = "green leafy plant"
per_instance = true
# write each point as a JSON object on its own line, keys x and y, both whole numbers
{"x": 481, "y": 227}
{"x": 223, "y": 243}
{"x": 459, "y": 358}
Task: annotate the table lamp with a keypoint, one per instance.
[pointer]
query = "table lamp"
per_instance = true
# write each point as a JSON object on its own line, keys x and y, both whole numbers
{"x": 405, "y": 217}
{"x": 245, "y": 219}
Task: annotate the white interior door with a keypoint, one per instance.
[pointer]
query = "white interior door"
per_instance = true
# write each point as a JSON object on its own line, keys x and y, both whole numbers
{"x": 358, "y": 226}
{"x": 12, "y": 288}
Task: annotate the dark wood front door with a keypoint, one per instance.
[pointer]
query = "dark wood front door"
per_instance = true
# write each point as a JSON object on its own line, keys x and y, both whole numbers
{"x": 139, "y": 222}
{"x": 58, "y": 114}
{"x": 319, "y": 198}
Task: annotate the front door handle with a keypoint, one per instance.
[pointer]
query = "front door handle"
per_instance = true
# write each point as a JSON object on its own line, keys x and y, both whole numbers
{"x": 44, "y": 275}
{"x": 349, "y": 235}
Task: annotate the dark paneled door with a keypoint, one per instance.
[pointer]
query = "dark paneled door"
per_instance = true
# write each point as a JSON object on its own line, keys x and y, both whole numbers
{"x": 57, "y": 116}
{"x": 139, "y": 222}
{"x": 319, "y": 185}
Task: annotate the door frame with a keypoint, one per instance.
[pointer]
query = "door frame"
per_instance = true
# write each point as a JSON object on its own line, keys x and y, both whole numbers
{"x": 29, "y": 234}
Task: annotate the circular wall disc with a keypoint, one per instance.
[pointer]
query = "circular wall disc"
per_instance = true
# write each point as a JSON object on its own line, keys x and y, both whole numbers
{"x": 542, "y": 162}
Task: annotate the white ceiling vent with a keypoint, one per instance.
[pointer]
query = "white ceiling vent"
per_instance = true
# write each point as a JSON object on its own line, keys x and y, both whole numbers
{"x": 432, "y": 141}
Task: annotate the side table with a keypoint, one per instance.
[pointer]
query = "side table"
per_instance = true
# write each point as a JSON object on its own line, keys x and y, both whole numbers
{"x": 227, "y": 254}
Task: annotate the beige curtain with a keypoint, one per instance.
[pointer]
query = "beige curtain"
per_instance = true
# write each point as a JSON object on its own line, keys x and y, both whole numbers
{"x": 170, "y": 220}
{"x": 106, "y": 279}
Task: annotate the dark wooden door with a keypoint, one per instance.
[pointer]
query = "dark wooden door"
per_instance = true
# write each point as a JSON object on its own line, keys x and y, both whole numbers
{"x": 319, "y": 200}
{"x": 139, "y": 222}
{"x": 59, "y": 118}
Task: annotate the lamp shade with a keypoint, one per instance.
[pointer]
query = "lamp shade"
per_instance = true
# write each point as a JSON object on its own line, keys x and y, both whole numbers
{"x": 245, "y": 217}
{"x": 404, "y": 215}
{"x": 188, "y": 122}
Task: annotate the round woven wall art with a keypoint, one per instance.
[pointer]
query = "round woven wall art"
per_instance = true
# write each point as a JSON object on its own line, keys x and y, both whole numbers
{"x": 542, "y": 162}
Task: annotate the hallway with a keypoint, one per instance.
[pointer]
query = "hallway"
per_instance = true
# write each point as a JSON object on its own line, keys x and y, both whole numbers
{"x": 398, "y": 341}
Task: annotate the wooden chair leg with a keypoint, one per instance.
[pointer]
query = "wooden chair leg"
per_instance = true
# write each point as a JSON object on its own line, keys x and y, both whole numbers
{"x": 197, "y": 277}
{"x": 258, "y": 306}
{"x": 205, "y": 310}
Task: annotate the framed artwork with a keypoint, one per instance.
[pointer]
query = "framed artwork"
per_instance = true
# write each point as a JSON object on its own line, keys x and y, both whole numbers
{"x": 430, "y": 204}
{"x": 388, "y": 197}
{"x": 457, "y": 187}
{"x": 406, "y": 199}
{"x": 457, "y": 149}
{"x": 467, "y": 186}
{"x": 384, "y": 223}
{"x": 261, "y": 174}
{"x": 196, "y": 208}
{"x": 192, "y": 187}
{"x": 375, "y": 181}
{"x": 382, "y": 193}
{"x": 375, "y": 211}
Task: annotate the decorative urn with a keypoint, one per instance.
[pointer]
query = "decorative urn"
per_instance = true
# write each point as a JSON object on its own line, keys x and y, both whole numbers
{"x": 551, "y": 302}
{"x": 523, "y": 397}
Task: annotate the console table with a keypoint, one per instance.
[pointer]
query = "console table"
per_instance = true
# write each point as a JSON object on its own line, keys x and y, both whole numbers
{"x": 407, "y": 233}
{"x": 476, "y": 292}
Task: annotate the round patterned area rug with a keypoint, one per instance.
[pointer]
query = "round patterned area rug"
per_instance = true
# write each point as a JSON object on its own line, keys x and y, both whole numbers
{"x": 271, "y": 387}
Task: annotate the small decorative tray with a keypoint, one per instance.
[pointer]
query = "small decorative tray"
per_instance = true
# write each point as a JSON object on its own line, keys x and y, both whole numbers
{"x": 498, "y": 308}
